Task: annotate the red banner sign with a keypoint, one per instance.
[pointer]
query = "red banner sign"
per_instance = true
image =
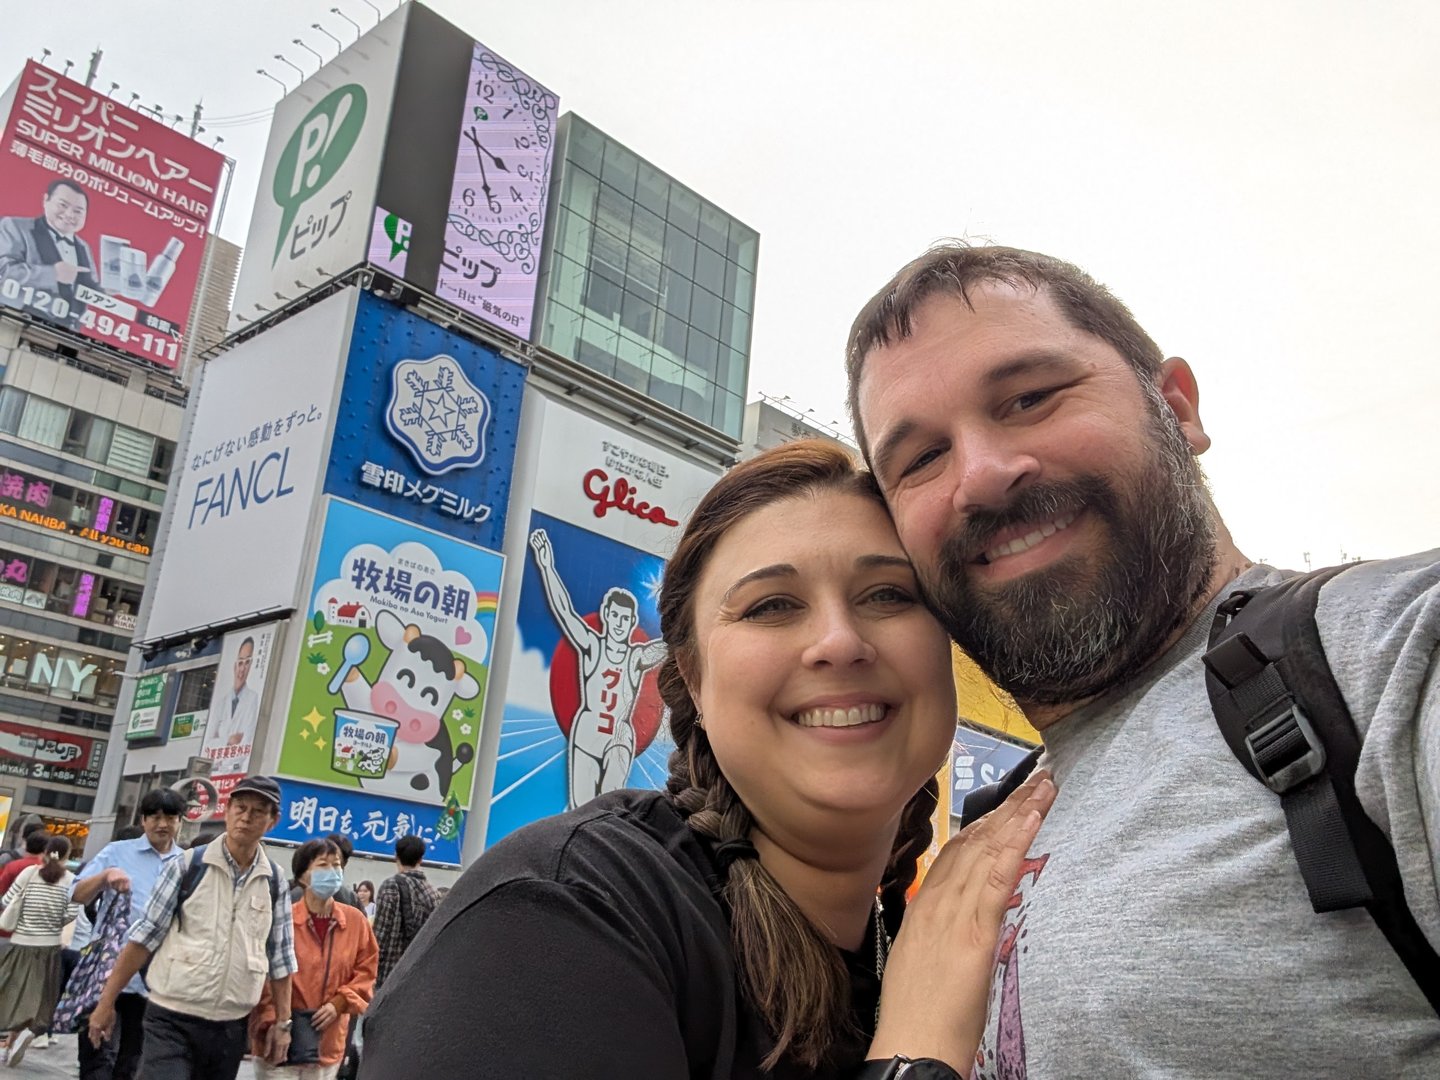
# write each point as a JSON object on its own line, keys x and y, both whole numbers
{"x": 103, "y": 216}
{"x": 42, "y": 754}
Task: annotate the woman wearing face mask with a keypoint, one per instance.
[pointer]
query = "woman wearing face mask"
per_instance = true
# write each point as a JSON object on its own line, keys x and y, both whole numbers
{"x": 338, "y": 959}
{"x": 738, "y": 925}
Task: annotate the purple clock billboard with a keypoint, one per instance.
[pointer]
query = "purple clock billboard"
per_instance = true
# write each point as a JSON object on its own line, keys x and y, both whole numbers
{"x": 497, "y": 199}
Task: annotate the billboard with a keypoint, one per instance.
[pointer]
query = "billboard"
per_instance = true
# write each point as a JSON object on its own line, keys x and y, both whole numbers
{"x": 373, "y": 825}
{"x": 978, "y": 759}
{"x": 103, "y": 216}
{"x": 452, "y": 201}
{"x": 145, "y": 708}
{"x": 426, "y": 425}
{"x": 250, "y": 472}
{"x": 583, "y": 713}
{"x": 234, "y": 711}
{"x": 393, "y": 664}
{"x": 47, "y": 754}
{"x": 313, "y": 213}
{"x": 498, "y": 194}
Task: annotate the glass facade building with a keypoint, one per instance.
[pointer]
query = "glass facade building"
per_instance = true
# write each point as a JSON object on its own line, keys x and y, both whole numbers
{"x": 645, "y": 281}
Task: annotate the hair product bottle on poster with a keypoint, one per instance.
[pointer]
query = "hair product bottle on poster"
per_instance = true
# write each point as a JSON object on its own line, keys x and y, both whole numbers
{"x": 161, "y": 270}
{"x": 132, "y": 273}
{"x": 112, "y": 278}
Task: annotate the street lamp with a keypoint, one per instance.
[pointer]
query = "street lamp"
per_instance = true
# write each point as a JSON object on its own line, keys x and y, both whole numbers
{"x": 312, "y": 52}
{"x": 327, "y": 33}
{"x": 352, "y": 22}
{"x": 298, "y": 69}
{"x": 272, "y": 78}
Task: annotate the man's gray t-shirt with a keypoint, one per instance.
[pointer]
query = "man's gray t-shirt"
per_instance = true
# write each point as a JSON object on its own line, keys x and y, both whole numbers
{"x": 1161, "y": 927}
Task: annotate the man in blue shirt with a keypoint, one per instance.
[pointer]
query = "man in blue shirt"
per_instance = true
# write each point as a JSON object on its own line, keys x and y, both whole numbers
{"x": 131, "y": 866}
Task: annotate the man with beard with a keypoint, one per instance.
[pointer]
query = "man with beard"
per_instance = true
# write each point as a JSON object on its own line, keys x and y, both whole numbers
{"x": 1037, "y": 451}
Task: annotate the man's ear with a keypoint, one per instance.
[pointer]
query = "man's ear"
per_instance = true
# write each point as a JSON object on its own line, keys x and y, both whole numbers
{"x": 1182, "y": 394}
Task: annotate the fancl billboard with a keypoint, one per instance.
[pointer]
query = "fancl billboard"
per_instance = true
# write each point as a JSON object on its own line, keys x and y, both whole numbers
{"x": 248, "y": 478}
{"x": 103, "y": 216}
{"x": 427, "y": 425}
{"x": 583, "y": 713}
{"x": 452, "y": 200}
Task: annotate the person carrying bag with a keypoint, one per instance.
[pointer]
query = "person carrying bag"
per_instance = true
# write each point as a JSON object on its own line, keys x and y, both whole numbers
{"x": 338, "y": 958}
{"x": 37, "y": 908}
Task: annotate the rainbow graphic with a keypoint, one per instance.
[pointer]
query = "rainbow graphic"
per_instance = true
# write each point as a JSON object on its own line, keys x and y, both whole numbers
{"x": 486, "y": 602}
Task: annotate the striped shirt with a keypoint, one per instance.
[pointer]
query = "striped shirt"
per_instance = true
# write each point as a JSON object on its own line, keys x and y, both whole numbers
{"x": 44, "y": 908}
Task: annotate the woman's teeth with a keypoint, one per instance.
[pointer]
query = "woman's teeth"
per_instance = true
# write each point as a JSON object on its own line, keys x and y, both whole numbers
{"x": 860, "y": 714}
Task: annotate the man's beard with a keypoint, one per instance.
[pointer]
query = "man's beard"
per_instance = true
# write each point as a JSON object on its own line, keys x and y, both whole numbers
{"x": 1073, "y": 629}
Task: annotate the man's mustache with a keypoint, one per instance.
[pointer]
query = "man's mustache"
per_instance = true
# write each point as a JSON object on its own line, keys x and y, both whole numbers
{"x": 1036, "y": 504}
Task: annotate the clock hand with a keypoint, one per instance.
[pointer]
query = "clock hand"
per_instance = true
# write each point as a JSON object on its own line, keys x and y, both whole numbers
{"x": 494, "y": 158}
{"x": 484, "y": 179}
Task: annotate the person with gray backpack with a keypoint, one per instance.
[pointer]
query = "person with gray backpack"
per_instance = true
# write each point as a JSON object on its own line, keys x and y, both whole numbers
{"x": 1238, "y": 876}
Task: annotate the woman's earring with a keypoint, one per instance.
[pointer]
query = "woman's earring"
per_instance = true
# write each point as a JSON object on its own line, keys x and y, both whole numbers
{"x": 699, "y": 719}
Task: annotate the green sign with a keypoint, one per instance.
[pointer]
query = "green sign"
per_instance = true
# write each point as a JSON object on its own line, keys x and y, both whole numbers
{"x": 319, "y": 146}
{"x": 145, "y": 709}
{"x": 186, "y": 724}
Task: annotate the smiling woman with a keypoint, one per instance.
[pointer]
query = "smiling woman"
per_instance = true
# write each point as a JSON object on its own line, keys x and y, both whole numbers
{"x": 739, "y": 924}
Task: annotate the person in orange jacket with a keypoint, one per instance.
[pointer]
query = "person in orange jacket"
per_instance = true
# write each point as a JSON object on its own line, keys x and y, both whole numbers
{"x": 338, "y": 958}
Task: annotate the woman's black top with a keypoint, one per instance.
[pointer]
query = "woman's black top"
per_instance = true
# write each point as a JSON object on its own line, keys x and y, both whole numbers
{"x": 588, "y": 946}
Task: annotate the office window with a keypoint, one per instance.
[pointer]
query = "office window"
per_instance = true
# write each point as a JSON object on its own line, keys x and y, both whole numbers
{"x": 44, "y": 422}
{"x": 195, "y": 688}
{"x": 621, "y": 168}
{"x": 12, "y": 407}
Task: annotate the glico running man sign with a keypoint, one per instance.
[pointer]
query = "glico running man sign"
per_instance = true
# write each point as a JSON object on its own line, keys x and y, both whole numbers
{"x": 103, "y": 216}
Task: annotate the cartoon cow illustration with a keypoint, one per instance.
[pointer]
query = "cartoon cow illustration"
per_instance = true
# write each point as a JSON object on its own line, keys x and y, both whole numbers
{"x": 420, "y": 678}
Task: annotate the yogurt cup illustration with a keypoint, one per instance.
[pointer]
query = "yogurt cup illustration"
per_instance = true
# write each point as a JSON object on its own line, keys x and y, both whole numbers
{"x": 362, "y": 744}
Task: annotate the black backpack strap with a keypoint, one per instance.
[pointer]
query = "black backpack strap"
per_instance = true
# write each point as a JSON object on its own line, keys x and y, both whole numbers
{"x": 190, "y": 880}
{"x": 277, "y": 881}
{"x": 982, "y": 800}
{"x": 1284, "y": 717}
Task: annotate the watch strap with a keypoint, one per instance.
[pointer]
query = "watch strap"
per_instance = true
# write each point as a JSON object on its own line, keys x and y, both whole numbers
{"x": 901, "y": 1067}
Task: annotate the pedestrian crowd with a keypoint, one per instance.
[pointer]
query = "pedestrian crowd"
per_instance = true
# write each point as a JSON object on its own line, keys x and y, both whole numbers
{"x": 184, "y": 961}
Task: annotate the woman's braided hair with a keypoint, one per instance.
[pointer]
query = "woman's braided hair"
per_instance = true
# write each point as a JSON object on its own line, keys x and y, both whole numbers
{"x": 791, "y": 972}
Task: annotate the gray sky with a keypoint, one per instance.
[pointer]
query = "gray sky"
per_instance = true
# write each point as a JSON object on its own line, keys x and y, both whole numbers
{"x": 1255, "y": 179}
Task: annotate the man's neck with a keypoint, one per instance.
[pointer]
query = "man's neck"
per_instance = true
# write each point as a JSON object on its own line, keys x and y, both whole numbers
{"x": 164, "y": 849}
{"x": 1229, "y": 564}
{"x": 243, "y": 856}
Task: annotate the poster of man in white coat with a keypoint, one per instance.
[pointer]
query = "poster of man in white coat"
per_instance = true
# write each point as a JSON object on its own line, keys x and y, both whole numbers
{"x": 235, "y": 704}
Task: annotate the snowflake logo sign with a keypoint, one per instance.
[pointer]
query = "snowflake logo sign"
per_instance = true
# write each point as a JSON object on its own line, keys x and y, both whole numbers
{"x": 437, "y": 414}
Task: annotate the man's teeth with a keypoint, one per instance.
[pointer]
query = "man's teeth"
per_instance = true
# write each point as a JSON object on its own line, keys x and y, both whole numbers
{"x": 1029, "y": 540}
{"x": 861, "y": 714}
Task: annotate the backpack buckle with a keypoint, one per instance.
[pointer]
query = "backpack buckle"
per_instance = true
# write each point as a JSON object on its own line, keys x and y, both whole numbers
{"x": 1285, "y": 749}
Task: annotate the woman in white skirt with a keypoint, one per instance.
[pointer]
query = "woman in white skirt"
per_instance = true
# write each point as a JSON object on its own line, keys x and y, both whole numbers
{"x": 30, "y": 968}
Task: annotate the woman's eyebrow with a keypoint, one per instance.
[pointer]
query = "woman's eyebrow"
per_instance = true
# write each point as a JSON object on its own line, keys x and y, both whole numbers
{"x": 872, "y": 562}
{"x": 777, "y": 570}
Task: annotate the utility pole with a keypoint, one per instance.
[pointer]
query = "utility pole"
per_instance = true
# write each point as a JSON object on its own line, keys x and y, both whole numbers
{"x": 195, "y": 120}
{"x": 94, "y": 66}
